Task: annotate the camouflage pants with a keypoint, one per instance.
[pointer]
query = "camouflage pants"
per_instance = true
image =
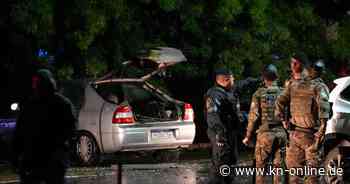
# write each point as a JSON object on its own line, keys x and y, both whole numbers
{"x": 269, "y": 145}
{"x": 299, "y": 155}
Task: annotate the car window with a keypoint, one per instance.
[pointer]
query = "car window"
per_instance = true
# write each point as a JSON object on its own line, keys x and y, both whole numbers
{"x": 111, "y": 92}
{"x": 75, "y": 91}
{"x": 136, "y": 93}
{"x": 345, "y": 94}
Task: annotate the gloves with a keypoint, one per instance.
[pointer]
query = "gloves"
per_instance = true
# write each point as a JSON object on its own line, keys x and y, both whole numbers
{"x": 219, "y": 141}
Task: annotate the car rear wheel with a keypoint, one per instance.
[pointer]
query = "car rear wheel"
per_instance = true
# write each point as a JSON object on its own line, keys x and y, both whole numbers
{"x": 86, "y": 149}
{"x": 332, "y": 163}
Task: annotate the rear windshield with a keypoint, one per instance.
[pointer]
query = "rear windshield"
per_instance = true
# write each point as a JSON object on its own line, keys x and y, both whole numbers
{"x": 111, "y": 92}
{"x": 135, "y": 93}
{"x": 75, "y": 91}
{"x": 346, "y": 94}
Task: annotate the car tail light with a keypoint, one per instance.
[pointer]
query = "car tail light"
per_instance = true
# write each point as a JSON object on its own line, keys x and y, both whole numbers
{"x": 123, "y": 115}
{"x": 189, "y": 114}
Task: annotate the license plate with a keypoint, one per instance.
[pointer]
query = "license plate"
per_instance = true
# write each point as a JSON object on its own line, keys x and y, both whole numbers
{"x": 162, "y": 134}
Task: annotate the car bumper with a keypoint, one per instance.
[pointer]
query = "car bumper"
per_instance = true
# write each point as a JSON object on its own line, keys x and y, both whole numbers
{"x": 150, "y": 137}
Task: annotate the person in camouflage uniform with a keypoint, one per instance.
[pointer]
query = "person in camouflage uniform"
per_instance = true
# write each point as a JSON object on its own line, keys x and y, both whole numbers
{"x": 309, "y": 106}
{"x": 270, "y": 133}
{"x": 297, "y": 63}
{"x": 222, "y": 118}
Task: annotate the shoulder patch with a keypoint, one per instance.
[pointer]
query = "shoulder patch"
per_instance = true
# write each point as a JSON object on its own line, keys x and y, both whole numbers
{"x": 210, "y": 105}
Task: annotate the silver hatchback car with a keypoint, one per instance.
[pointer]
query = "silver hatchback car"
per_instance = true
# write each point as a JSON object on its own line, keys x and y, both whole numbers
{"x": 126, "y": 114}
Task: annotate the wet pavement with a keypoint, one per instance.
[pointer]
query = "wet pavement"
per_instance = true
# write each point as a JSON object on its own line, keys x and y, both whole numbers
{"x": 192, "y": 172}
{"x": 142, "y": 168}
{"x": 164, "y": 173}
{"x": 189, "y": 172}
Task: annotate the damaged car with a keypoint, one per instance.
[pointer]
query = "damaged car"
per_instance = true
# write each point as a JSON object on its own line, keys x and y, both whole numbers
{"x": 337, "y": 136}
{"x": 130, "y": 114}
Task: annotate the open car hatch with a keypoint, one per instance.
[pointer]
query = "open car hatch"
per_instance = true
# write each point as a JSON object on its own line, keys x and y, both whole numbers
{"x": 156, "y": 58}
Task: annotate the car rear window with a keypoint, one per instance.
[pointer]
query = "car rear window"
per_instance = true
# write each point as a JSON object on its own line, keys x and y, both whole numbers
{"x": 345, "y": 94}
{"x": 111, "y": 92}
{"x": 75, "y": 91}
{"x": 135, "y": 93}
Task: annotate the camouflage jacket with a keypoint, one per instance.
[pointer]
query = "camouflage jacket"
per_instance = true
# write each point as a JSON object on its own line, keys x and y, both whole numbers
{"x": 262, "y": 108}
{"x": 307, "y": 100}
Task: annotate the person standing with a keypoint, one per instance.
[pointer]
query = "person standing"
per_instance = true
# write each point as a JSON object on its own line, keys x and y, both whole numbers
{"x": 270, "y": 133}
{"x": 44, "y": 127}
{"x": 297, "y": 64}
{"x": 309, "y": 107}
{"x": 222, "y": 118}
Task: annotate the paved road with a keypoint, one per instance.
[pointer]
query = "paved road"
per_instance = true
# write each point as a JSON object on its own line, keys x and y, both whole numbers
{"x": 165, "y": 173}
{"x": 189, "y": 172}
{"x": 192, "y": 172}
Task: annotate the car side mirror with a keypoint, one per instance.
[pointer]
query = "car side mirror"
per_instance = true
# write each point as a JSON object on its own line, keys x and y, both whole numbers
{"x": 15, "y": 106}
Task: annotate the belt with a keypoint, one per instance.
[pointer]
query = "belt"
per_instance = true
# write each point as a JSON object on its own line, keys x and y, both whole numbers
{"x": 301, "y": 129}
{"x": 275, "y": 125}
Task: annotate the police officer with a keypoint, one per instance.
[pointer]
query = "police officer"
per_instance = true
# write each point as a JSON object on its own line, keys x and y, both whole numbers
{"x": 270, "y": 133}
{"x": 222, "y": 118}
{"x": 308, "y": 102}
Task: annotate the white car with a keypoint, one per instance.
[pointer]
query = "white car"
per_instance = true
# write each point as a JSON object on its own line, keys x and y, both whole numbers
{"x": 337, "y": 138}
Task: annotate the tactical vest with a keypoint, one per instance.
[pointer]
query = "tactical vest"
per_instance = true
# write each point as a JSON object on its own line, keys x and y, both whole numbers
{"x": 267, "y": 105}
{"x": 227, "y": 106}
{"x": 303, "y": 105}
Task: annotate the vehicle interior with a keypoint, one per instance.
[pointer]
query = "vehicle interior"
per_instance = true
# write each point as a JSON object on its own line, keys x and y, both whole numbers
{"x": 147, "y": 105}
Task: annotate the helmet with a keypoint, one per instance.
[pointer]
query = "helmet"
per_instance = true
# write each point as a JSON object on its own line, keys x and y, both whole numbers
{"x": 319, "y": 66}
{"x": 45, "y": 80}
{"x": 316, "y": 69}
{"x": 270, "y": 72}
